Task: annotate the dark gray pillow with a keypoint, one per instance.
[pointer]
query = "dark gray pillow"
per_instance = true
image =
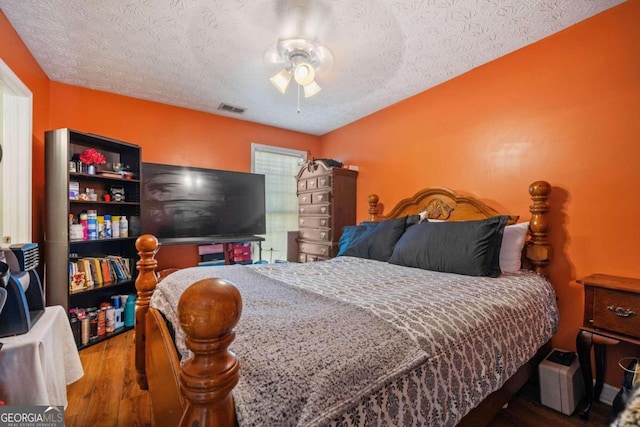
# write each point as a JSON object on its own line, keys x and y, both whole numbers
{"x": 463, "y": 247}
{"x": 372, "y": 240}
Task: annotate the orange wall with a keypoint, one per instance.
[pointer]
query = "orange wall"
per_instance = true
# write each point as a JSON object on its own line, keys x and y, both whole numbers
{"x": 566, "y": 110}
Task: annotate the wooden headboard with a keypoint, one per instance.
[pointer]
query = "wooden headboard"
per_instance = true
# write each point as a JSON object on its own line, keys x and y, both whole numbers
{"x": 445, "y": 204}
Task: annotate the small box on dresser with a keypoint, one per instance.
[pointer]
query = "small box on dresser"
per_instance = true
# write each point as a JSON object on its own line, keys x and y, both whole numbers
{"x": 326, "y": 204}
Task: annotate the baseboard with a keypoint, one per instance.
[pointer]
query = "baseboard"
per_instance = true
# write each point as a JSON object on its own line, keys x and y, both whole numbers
{"x": 608, "y": 394}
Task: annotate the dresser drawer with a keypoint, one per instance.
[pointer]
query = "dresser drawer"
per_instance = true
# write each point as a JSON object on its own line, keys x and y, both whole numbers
{"x": 315, "y": 234}
{"x": 304, "y": 199}
{"x": 324, "y": 181}
{"x": 313, "y": 210}
{"x": 314, "y": 221}
{"x": 312, "y": 184}
{"x": 316, "y": 249}
{"x": 616, "y": 311}
{"x": 322, "y": 197}
{"x": 310, "y": 258}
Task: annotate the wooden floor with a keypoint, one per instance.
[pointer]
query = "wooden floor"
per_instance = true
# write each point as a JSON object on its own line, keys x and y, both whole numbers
{"x": 107, "y": 395}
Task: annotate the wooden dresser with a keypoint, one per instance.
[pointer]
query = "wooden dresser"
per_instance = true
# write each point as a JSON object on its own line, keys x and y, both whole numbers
{"x": 611, "y": 315}
{"x": 326, "y": 203}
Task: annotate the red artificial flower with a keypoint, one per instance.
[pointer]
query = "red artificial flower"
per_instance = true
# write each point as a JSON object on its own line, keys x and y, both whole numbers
{"x": 92, "y": 157}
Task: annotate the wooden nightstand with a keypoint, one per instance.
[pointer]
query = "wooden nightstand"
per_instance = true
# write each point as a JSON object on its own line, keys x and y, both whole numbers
{"x": 611, "y": 315}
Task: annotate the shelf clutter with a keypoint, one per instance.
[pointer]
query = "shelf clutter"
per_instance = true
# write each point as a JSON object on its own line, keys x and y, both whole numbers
{"x": 86, "y": 273}
{"x": 94, "y": 324}
{"x": 92, "y": 220}
{"x": 225, "y": 253}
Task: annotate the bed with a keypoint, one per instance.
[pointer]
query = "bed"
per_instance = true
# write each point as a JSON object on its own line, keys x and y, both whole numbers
{"x": 355, "y": 340}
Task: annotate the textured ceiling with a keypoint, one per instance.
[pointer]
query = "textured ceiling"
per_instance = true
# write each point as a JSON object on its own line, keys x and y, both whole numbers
{"x": 200, "y": 53}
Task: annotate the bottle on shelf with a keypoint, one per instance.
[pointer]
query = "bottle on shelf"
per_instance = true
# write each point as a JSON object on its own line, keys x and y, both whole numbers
{"x": 130, "y": 311}
{"x": 84, "y": 219}
{"x": 115, "y": 226}
{"x": 107, "y": 227}
{"x": 124, "y": 226}
{"x": 92, "y": 225}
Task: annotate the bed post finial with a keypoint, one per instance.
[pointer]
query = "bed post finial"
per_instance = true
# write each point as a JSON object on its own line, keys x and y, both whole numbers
{"x": 373, "y": 207}
{"x": 147, "y": 246}
{"x": 538, "y": 251}
{"x": 208, "y": 312}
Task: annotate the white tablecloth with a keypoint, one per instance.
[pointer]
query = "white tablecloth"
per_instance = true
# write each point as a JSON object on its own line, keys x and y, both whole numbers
{"x": 36, "y": 367}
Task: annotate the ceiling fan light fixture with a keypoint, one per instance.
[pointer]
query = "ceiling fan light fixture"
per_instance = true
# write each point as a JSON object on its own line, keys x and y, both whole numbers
{"x": 281, "y": 80}
{"x": 302, "y": 60}
{"x": 311, "y": 89}
{"x": 304, "y": 73}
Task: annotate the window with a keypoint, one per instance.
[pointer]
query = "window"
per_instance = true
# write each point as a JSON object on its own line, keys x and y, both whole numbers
{"x": 280, "y": 167}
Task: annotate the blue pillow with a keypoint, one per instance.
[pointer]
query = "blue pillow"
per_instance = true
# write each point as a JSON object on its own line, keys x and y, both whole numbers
{"x": 371, "y": 240}
{"x": 349, "y": 234}
{"x": 463, "y": 247}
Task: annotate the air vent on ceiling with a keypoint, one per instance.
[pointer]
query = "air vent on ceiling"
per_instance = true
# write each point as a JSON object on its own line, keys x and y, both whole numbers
{"x": 231, "y": 108}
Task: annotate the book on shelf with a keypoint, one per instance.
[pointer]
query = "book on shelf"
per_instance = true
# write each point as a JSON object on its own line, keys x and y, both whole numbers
{"x": 97, "y": 272}
{"x": 105, "y": 269}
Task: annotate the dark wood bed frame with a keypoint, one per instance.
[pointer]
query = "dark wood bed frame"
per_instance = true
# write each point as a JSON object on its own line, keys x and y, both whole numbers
{"x": 199, "y": 393}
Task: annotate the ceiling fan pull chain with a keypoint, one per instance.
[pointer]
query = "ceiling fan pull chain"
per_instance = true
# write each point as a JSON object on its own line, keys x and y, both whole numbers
{"x": 298, "y": 99}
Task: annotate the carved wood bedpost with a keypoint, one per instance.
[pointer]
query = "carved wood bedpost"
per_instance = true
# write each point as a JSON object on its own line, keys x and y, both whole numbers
{"x": 373, "y": 207}
{"x": 538, "y": 250}
{"x": 208, "y": 312}
{"x": 147, "y": 246}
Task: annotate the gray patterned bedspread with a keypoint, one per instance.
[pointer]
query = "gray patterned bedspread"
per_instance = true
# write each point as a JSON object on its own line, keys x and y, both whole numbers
{"x": 357, "y": 342}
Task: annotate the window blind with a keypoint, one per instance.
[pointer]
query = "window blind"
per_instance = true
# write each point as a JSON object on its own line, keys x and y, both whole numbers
{"x": 280, "y": 167}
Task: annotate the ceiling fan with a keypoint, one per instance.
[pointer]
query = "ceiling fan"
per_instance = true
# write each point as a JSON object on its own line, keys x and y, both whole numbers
{"x": 298, "y": 56}
{"x": 300, "y": 60}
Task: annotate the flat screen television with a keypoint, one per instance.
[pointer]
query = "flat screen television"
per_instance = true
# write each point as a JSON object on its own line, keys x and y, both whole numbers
{"x": 183, "y": 204}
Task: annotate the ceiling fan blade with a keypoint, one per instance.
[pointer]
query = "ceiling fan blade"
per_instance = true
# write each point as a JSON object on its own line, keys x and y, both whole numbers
{"x": 324, "y": 59}
{"x": 273, "y": 58}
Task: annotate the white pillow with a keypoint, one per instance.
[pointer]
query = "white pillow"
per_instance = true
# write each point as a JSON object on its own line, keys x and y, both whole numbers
{"x": 512, "y": 244}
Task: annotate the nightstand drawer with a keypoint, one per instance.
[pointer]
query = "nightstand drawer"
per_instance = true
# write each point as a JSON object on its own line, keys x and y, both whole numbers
{"x": 616, "y": 311}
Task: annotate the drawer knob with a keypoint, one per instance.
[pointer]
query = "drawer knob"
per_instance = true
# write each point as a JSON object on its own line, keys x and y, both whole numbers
{"x": 323, "y": 209}
{"x": 320, "y": 197}
{"x": 621, "y": 312}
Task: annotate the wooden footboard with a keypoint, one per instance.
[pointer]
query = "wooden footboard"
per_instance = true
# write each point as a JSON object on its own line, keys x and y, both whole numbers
{"x": 199, "y": 394}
